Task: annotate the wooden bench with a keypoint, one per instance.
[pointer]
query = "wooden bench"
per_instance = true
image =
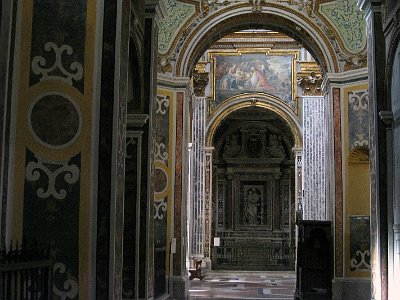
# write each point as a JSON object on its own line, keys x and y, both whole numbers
{"x": 196, "y": 271}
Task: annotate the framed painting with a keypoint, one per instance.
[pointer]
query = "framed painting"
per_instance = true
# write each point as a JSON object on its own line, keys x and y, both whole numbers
{"x": 260, "y": 71}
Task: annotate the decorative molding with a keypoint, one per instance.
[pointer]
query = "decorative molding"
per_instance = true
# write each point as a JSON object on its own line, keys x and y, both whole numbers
{"x": 52, "y": 170}
{"x": 311, "y": 85}
{"x": 39, "y": 65}
{"x": 200, "y": 81}
{"x": 137, "y": 120}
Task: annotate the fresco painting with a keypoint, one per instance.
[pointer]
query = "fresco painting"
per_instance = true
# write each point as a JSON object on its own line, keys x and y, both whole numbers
{"x": 253, "y": 73}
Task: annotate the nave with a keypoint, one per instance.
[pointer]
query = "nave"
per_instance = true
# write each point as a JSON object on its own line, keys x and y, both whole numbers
{"x": 244, "y": 285}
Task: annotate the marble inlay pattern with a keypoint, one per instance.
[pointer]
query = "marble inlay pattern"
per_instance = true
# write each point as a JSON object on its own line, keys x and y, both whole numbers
{"x": 338, "y": 184}
{"x": 358, "y": 119}
{"x": 244, "y": 285}
{"x": 178, "y": 205}
{"x": 349, "y": 21}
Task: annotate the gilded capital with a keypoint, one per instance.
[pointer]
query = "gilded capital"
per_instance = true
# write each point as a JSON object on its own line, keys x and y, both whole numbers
{"x": 311, "y": 84}
{"x": 200, "y": 81}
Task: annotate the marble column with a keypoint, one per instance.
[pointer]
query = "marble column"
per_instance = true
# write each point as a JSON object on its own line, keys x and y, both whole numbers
{"x": 208, "y": 204}
{"x": 314, "y": 167}
{"x": 378, "y": 148}
{"x": 197, "y": 228}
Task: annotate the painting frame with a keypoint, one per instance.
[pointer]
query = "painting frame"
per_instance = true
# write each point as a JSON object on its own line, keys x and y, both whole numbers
{"x": 254, "y": 60}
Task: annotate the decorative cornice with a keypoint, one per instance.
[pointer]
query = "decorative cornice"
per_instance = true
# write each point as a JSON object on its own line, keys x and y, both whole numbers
{"x": 173, "y": 81}
{"x": 200, "y": 81}
{"x": 137, "y": 120}
{"x": 338, "y": 79}
{"x": 311, "y": 84}
{"x": 386, "y": 117}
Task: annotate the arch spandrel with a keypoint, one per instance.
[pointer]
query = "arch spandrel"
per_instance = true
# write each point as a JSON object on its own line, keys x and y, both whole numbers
{"x": 254, "y": 100}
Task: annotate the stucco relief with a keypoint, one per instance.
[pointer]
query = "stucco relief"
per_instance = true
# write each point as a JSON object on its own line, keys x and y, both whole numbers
{"x": 177, "y": 15}
{"x": 349, "y": 22}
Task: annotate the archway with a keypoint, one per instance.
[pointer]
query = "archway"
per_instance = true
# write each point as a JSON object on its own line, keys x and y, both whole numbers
{"x": 253, "y": 184}
{"x": 238, "y": 18}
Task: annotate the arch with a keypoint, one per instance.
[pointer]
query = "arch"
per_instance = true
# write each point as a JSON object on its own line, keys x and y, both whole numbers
{"x": 237, "y": 18}
{"x": 394, "y": 49}
{"x": 254, "y": 100}
{"x": 135, "y": 78}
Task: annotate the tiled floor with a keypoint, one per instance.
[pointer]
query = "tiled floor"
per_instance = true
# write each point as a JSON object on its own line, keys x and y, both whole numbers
{"x": 244, "y": 285}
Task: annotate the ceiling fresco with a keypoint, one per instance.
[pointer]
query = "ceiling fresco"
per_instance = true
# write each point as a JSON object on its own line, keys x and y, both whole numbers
{"x": 341, "y": 21}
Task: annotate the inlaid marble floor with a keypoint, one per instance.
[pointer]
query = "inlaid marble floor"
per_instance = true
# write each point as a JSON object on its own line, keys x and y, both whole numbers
{"x": 244, "y": 285}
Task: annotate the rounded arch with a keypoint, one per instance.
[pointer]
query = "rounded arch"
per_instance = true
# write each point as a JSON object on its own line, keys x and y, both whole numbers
{"x": 275, "y": 17}
{"x": 135, "y": 77}
{"x": 264, "y": 101}
{"x": 392, "y": 68}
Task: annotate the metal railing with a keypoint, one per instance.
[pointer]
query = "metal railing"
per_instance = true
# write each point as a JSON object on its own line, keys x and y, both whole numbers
{"x": 263, "y": 255}
{"x": 25, "y": 274}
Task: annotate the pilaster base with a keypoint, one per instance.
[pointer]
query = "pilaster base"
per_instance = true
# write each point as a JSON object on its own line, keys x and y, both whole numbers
{"x": 179, "y": 287}
{"x": 349, "y": 288}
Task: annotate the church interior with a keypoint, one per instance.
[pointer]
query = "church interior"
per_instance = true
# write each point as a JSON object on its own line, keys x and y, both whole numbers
{"x": 144, "y": 141}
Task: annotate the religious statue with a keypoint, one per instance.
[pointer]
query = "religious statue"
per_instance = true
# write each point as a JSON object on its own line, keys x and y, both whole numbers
{"x": 252, "y": 205}
{"x": 275, "y": 146}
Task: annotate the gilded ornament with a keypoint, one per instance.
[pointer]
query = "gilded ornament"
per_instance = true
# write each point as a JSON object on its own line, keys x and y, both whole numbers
{"x": 311, "y": 85}
{"x": 200, "y": 81}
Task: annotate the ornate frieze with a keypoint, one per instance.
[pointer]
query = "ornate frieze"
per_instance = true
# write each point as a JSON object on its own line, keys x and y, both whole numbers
{"x": 253, "y": 141}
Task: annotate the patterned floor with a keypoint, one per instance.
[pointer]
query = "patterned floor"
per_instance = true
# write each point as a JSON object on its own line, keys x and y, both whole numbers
{"x": 244, "y": 285}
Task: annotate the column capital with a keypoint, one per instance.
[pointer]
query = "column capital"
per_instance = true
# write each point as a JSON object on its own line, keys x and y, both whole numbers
{"x": 298, "y": 150}
{"x": 200, "y": 81}
{"x": 208, "y": 149}
{"x": 310, "y": 84}
{"x": 386, "y": 117}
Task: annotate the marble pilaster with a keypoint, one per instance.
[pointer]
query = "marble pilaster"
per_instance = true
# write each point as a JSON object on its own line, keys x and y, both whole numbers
{"x": 314, "y": 167}
{"x": 378, "y": 148}
{"x": 197, "y": 227}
